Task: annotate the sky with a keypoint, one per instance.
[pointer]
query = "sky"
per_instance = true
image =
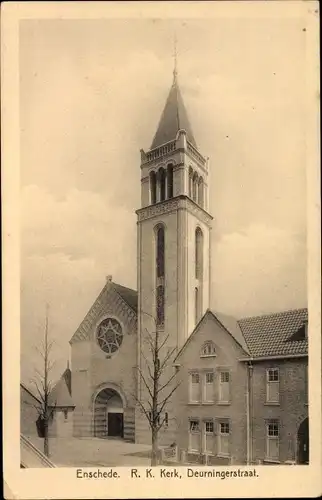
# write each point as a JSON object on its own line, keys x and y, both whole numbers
{"x": 91, "y": 95}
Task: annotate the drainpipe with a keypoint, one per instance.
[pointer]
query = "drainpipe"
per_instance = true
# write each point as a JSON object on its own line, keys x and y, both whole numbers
{"x": 249, "y": 412}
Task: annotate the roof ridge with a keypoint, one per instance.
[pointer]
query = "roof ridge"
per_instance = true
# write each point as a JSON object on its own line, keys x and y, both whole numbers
{"x": 126, "y": 287}
{"x": 279, "y": 313}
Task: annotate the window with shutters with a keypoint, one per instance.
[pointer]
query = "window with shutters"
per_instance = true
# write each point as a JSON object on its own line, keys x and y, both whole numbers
{"x": 194, "y": 387}
{"x": 224, "y": 387}
{"x": 194, "y": 435}
{"x": 208, "y": 436}
{"x": 272, "y": 440}
{"x": 272, "y": 385}
{"x": 208, "y": 387}
{"x": 223, "y": 438}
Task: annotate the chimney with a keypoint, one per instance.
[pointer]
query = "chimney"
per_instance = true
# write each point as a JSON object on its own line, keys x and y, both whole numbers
{"x": 109, "y": 277}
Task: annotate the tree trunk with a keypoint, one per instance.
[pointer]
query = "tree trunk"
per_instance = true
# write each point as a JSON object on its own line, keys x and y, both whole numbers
{"x": 155, "y": 449}
{"x": 46, "y": 440}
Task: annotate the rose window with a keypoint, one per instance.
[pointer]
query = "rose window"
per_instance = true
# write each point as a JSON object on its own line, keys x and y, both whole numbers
{"x": 109, "y": 335}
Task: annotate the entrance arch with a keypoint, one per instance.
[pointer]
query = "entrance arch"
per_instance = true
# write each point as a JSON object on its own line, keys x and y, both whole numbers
{"x": 108, "y": 414}
{"x": 303, "y": 442}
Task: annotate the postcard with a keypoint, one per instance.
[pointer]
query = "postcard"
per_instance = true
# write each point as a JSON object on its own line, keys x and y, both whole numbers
{"x": 161, "y": 249}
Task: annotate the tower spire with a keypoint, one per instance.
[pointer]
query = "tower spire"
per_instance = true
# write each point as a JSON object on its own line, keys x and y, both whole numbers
{"x": 175, "y": 69}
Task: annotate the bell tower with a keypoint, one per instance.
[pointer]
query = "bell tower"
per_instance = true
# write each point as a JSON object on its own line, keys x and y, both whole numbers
{"x": 173, "y": 230}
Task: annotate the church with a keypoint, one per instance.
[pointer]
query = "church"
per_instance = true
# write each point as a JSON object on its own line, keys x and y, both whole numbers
{"x": 243, "y": 393}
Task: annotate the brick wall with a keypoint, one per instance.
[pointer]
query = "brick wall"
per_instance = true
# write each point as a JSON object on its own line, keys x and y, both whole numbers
{"x": 291, "y": 410}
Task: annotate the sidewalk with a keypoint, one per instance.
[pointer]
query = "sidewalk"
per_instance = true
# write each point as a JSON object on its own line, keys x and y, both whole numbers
{"x": 93, "y": 452}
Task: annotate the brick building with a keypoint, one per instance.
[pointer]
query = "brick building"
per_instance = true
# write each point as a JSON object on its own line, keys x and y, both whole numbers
{"x": 173, "y": 296}
{"x": 244, "y": 391}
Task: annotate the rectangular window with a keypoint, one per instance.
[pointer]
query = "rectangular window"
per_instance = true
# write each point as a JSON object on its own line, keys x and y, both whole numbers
{"x": 209, "y": 437}
{"x": 272, "y": 440}
{"x": 209, "y": 387}
{"x": 272, "y": 385}
{"x": 224, "y": 387}
{"x": 223, "y": 438}
{"x": 194, "y": 435}
{"x": 166, "y": 419}
{"x": 194, "y": 387}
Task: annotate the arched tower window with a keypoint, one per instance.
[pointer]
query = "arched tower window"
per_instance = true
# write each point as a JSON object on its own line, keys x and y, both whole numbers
{"x": 195, "y": 187}
{"x": 190, "y": 182}
{"x": 153, "y": 188}
{"x": 160, "y": 306}
{"x": 199, "y": 254}
{"x": 162, "y": 180}
{"x": 197, "y": 305}
{"x": 160, "y": 272}
{"x": 170, "y": 180}
{"x": 160, "y": 252}
{"x": 201, "y": 192}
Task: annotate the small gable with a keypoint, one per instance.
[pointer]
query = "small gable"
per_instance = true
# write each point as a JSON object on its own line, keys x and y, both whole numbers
{"x": 210, "y": 335}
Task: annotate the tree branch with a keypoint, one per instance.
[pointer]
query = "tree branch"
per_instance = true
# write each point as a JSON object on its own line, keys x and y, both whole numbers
{"x": 163, "y": 403}
{"x": 167, "y": 383}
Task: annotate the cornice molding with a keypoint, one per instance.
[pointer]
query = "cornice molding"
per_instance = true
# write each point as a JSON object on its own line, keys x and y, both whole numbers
{"x": 181, "y": 202}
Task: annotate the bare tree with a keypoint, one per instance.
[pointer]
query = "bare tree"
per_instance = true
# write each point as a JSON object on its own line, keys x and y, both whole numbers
{"x": 43, "y": 384}
{"x": 158, "y": 381}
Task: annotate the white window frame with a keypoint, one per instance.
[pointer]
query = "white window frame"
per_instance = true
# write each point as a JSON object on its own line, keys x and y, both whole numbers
{"x": 221, "y": 400}
{"x": 205, "y": 384}
{"x": 194, "y": 432}
{"x": 208, "y": 433}
{"x": 191, "y": 375}
{"x": 272, "y": 383}
{"x": 272, "y": 434}
{"x": 222, "y": 435}
{"x": 208, "y": 346}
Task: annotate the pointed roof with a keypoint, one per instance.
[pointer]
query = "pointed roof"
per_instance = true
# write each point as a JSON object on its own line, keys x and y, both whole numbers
{"x": 173, "y": 118}
{"x": 61, "y": 393}
{"x": 227, "y": 322}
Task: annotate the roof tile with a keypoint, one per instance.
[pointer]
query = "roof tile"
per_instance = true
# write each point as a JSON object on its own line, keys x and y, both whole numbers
{"x": 270, "y": 335}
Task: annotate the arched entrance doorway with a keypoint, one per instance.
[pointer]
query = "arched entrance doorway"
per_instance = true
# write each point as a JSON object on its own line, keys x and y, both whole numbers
{"x": 303, "y": 442}
{"x": 108, "y": 414}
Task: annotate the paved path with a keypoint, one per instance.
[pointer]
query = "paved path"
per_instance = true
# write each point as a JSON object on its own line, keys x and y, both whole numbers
{"x": 94, "y": 452}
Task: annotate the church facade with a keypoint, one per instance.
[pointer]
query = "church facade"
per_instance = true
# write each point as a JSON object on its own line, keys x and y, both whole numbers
{"x": 235, "y": 384}
{"x": 173, "y": 238}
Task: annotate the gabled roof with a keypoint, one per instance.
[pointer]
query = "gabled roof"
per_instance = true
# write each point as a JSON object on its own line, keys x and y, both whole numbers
{"x": 232, "y": 326}
{"x": 278, "y": 334}
{"x": 129, "y": 296}
{"x": 173, "y": 119}
{"x": 272, "y": 334}
{"x": 61, "y": 394}
{"x": 229, "y": 324}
